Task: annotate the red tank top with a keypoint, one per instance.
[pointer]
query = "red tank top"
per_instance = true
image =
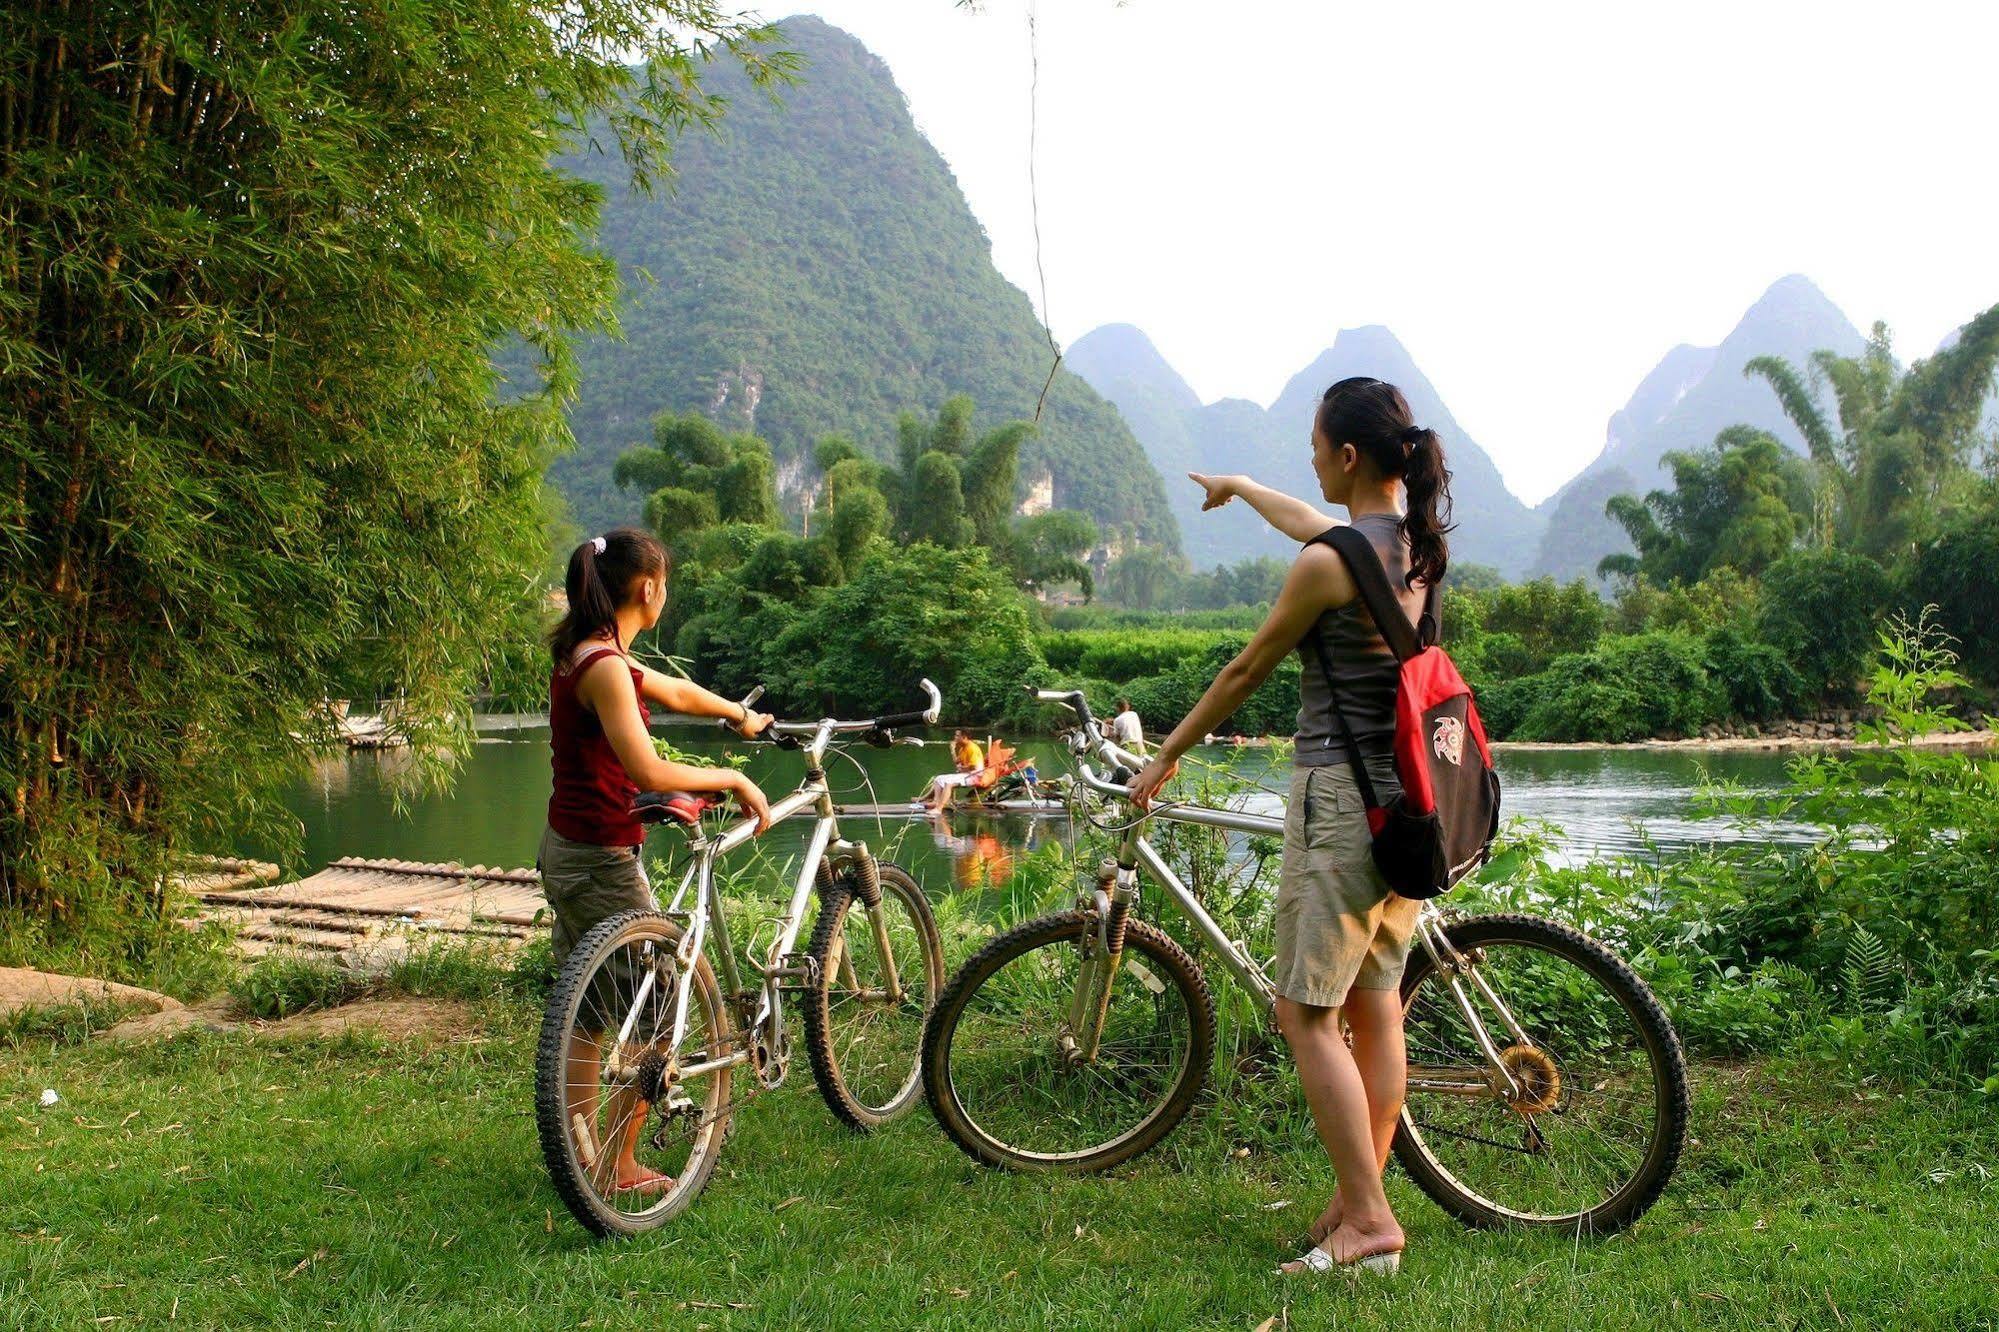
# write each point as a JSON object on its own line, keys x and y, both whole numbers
{"x": 592, "y": 799}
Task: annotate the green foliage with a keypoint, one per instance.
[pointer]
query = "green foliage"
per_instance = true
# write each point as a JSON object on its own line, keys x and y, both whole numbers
{"x": 1904, "y": 441}
{"x": 1958, "y": 573}
{"x": 694, "y": 477}
{"x": 1757, "y": 682}
{"x": 1065, "y": 619}
{"x": 285, "y": 984}
{"x": 1725, "y": 599}
{"x": 1628, "y": 689}
{"x": 907, "y": 613}
{"x": 1048, "y": 549}
{"x": 1820, "y": 607}
{"x": 1517, "y": 629}
{"x": 1147, "y": 580}
{"x": 1125, "y": 654}
{"x": 251, "y": 277}
{"x": 1163, "y": 699}
{"x": 1739, "y": 505}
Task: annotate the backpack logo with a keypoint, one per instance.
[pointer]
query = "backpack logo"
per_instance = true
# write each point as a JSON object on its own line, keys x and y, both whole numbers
{"x": 1449, "y": 741}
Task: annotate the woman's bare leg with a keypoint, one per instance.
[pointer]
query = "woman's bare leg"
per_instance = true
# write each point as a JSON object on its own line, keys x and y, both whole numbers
{"x": 1374, "y": 1018}
{"x": 624, "y": 1116}
{"x": 1333, "y": 1088}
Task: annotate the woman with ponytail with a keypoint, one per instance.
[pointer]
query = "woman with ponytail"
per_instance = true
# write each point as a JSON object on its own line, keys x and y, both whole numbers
{"x": 603, "y": 756}
{"x": 1342, "y": 934}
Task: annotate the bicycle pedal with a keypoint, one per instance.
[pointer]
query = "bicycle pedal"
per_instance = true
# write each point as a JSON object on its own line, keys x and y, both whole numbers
{"x": 796, "y": 971}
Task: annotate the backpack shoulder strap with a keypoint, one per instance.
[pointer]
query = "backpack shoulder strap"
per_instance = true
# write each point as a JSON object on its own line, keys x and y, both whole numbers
{"x": 1371, "y": 579}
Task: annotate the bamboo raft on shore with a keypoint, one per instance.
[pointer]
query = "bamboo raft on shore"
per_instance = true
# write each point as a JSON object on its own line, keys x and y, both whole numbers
{"x": 382, "y": 904}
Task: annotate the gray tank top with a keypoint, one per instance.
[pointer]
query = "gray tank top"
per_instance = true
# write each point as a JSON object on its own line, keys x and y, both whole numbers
{"x": 1363, "y": 665}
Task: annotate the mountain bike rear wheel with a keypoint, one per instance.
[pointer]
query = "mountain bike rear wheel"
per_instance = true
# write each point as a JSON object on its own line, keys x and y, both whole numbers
{"x": 1591, "y": 1129}
{"x": 605, "y": 1107}
{"x": 865, "y": 1044}
{"x": 1002, "y": 1075}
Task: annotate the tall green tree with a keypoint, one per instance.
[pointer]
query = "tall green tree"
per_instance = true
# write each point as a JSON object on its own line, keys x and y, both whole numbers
{"x": 254, "y": 259}
{"x": 1741, "y": 504}
{"x": 1896, "y": 463}
{"x": 695, "y": 476}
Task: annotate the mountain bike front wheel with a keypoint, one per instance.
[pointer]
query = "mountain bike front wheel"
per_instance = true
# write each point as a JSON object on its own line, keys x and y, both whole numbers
{"x": 864, "y": 1018}
{"x": 1005, "y": 1064}
{"x": 1587, "y": 1126}
{"x": 629, "y": 1134}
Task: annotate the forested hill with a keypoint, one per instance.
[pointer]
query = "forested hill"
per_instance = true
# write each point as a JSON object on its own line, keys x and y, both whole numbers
{"x": 816, "y": 269}
{"x": 1272, "y": 444}
{"x": 1693, "y": 394}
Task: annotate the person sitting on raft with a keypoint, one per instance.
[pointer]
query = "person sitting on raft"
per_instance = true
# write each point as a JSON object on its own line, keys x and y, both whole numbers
{"x": 970, "y": 761}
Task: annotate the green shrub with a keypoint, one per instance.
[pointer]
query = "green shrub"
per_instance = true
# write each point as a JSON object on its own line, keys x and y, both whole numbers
{"x": 1628, "y": 689}
{"x": 1820, "y": 607}
{"x": 1958, "y": 573}
{"x": 1127, "y": 654}
{"x": 1757, "y": 681}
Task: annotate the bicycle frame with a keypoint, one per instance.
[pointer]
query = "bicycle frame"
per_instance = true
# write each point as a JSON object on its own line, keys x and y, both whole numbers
{"x": 1136, "y": 851}
{"x": 825, "y": 854}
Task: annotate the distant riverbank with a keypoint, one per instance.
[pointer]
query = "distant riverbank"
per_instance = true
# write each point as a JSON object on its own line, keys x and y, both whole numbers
{"x": 504, "y": 722}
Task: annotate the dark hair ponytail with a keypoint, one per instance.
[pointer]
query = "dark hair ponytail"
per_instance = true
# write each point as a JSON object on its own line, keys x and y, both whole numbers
{"x": 601, "y": 573}
{"x": 1374, "y": 417}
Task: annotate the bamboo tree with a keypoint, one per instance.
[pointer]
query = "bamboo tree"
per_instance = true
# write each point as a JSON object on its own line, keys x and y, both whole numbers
{"x": 255, "y": 258}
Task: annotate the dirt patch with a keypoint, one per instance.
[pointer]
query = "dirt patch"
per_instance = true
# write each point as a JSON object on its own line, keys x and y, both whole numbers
{"x": 24, "y": 987}
{"x": 208, "y": 1015}
{"x": 425, "y": 1021}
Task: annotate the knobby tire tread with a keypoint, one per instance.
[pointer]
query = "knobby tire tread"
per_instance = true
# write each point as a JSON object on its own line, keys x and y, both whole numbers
{"x": 818, "y": 1018}
{"x": 551, "y": 1060}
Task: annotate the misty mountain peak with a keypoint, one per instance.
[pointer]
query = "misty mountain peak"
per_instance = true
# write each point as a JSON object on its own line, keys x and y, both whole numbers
{"x": 1121, "y": 356}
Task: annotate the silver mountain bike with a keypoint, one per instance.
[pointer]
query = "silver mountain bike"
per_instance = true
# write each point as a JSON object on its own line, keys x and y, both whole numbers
{"x": 651, "y": 1021}
{"x": 1546, "y": 1084}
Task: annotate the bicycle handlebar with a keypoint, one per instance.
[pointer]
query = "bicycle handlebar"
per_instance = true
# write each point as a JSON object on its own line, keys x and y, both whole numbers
{"x": 1092, "y": 732}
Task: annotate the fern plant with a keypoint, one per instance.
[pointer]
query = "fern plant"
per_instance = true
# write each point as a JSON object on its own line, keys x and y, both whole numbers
{"x": 1870, "y": 975}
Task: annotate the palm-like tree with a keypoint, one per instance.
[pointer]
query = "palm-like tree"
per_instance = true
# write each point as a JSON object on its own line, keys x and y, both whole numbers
{"x": 1902, "y": 441}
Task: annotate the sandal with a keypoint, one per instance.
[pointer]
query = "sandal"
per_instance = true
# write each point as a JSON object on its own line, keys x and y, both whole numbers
{"x": 1318, "y": 1261}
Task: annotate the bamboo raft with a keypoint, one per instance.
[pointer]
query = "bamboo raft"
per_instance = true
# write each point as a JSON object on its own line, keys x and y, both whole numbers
{"x": 354, "y": 904}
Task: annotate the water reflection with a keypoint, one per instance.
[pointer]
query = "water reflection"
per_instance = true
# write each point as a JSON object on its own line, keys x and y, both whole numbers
{"x": 1605, "y": 803}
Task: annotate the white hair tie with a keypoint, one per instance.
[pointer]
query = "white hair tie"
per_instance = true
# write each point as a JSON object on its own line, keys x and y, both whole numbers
{"x": 600, "y": 544}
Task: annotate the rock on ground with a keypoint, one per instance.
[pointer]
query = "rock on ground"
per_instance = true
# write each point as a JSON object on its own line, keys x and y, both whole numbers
{"x": 24, "y": 987}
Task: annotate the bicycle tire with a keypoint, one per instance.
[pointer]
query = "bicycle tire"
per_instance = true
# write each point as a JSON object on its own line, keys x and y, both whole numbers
{"x": 1066, "y": 929}
{"x": 1662, "y": 1043}
{"x": 558, "y": 1145}
{"x": 849, "y": 1108}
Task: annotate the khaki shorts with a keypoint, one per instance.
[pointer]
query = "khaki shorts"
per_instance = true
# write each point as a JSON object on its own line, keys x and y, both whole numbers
{"x": 1339, "y": 925}
{"x": 585, "y": 884}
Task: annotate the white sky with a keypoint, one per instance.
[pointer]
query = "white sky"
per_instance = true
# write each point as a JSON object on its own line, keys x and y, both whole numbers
{"x": 1539, "y": 199}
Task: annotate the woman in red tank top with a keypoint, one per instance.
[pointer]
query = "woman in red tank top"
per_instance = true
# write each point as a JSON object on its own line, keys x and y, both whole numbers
{"x": 602, "y": 756}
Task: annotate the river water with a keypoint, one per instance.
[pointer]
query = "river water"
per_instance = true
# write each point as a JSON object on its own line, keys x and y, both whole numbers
{"x": 1603, "y": 802}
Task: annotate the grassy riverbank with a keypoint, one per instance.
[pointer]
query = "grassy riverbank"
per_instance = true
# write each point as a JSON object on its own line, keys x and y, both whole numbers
{"x": 233, "y": 1179}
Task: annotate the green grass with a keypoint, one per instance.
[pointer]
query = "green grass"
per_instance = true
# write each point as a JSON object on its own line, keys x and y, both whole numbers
{"x": 230, "y": 1180}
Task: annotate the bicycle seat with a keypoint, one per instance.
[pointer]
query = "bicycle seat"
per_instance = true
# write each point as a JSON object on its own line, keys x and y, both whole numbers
{"x": 679, "y": 806}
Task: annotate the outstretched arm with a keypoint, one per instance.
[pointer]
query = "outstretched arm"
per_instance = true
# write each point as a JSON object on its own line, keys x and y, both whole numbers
{"x": 1291, "y": 516}
{"x": 680, "y": 695}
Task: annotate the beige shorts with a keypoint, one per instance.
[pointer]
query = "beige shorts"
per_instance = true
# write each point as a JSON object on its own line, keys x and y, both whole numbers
{"x": 1339, "y": 925}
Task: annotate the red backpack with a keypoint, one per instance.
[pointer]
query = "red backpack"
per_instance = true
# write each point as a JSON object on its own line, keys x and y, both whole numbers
{"x": 1441, "y": 825}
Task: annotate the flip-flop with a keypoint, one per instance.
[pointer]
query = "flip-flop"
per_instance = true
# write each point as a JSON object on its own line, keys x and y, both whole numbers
{"x": 1318, "y": 1261}
{"x": 655, "y": 1185}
